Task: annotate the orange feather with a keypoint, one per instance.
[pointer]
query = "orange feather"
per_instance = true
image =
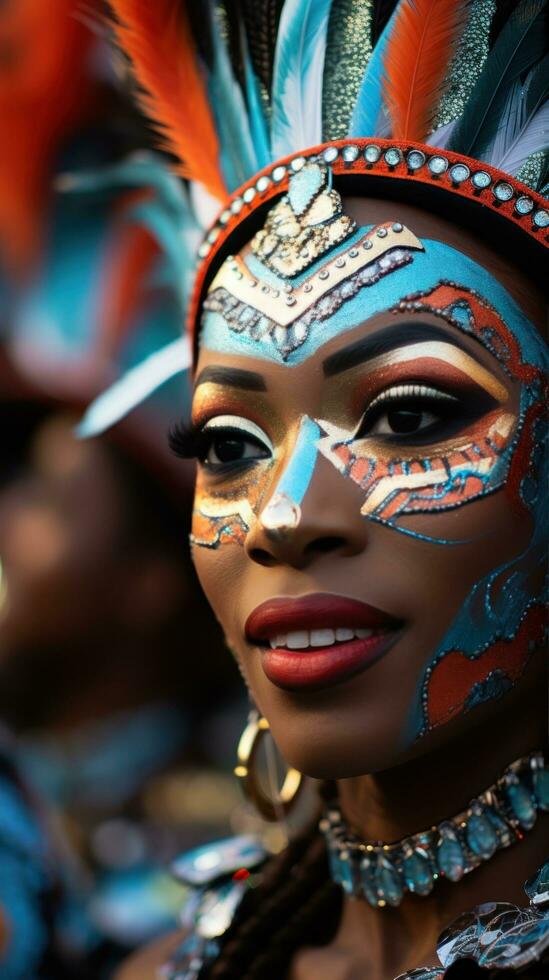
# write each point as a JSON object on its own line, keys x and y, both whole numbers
{"x": 157, "y": 38}
{"x": 45, "y": 91}
{"x": 418, "y": 53}
{"x": 124, "y": 283}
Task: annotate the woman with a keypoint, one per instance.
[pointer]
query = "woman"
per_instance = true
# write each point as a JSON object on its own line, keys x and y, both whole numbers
{"x": 369, "y": 527}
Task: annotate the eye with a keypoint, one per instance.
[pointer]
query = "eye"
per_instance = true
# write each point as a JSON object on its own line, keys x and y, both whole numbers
{"x": 409, "y": 411}
{"x": 229, "y": 440}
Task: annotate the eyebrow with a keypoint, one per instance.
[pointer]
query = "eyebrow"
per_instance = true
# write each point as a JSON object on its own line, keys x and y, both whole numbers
{"x": 399, "y": 335}
{"x": 234, "y": 377}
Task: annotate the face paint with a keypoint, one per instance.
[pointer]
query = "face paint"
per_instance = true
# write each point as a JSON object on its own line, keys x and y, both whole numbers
{"x": 283, "y": 511}
{"x": 226, "y": 516}
{"x": 501, "y": 620}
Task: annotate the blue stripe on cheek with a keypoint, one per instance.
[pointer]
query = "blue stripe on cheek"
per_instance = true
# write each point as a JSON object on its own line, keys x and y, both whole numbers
{"x": 297, "y": 475}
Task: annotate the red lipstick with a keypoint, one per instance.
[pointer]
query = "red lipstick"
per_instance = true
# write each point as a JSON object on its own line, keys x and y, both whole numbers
{"x": 318, "y": 640}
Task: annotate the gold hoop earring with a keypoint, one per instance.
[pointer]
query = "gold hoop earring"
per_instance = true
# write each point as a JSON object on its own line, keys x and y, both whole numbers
{"x": 247, "y": 750}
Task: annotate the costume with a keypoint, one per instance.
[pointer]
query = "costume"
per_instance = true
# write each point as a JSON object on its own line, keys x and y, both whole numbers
{"x": 442, "y": 105}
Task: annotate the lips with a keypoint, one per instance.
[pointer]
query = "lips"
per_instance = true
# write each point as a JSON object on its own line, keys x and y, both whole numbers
{"x": 318, "y": 640}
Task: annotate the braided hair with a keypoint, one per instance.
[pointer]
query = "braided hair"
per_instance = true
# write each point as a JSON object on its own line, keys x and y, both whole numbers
{"x": 297, "y": 904}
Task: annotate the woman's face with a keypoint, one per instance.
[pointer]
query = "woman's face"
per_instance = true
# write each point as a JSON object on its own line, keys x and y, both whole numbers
{"x": 366, "y": 523}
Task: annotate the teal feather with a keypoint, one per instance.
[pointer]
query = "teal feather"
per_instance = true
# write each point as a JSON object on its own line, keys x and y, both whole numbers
{"x": 296, "y": 96}
{"x": 520, "y": 45}
{"x": 134, "y": 387}
{"x": 237, "y": 153}
{"x": 524, "y": 128}
{"x": 368, "y": 113}
{"x": 258, "y": 124}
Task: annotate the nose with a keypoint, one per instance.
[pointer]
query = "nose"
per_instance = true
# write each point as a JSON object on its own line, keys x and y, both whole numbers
{"x": 311, "y": 511}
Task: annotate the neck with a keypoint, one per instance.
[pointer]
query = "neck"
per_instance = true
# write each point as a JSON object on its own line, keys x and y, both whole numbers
{"x": 414, "y": 796}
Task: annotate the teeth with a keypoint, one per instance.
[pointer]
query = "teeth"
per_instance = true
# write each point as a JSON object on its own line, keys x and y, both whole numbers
{"x": 343, "y": 634}
{"x": 322, "y": 638}
{"x": 302, "y": 639}
{"x": 298, "y": 640}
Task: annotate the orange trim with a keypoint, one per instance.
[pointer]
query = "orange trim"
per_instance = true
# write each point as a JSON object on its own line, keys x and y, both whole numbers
{"x": 220, "y": 233}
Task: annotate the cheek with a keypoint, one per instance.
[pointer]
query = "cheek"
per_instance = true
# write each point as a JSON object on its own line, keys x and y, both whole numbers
{"x": 222, "y": 518}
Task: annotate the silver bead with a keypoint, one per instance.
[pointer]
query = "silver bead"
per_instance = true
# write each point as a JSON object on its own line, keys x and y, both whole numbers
{"x": 236, "y": 206}
{"x": 349, "y": 153}
{"x": 330, "y": 154}
{"x": 278, "y": 174}
{"x": 262, "y": 183}
{"x": 249, "y": 194}
{"x": 415, "y": 159}
{"x": 372, "y": 153}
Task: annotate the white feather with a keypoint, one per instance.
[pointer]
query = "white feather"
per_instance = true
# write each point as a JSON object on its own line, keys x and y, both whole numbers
{"x": 134, "y": 387}
{"x": 298, "y": 69}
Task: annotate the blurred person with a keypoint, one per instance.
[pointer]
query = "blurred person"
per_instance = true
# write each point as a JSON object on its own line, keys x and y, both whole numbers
{"x": 101, "y": 672}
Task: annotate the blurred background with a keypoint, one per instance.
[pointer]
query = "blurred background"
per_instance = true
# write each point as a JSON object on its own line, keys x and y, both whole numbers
{"x": 120, "y": 708}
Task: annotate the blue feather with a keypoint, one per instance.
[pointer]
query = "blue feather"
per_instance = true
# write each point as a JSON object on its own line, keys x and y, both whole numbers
{"x": 134, "y": 387}
{"x": 524, "y": 126}
{"x": 368, "y": 111}
{"x": 296, "y": 97}
{"x": 520, "y": 45}
{"x": 237, "y": 152}
{"x": 258, "y": 125}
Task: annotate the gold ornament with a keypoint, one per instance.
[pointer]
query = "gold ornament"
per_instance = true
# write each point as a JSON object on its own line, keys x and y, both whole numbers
{"x": 248, "y": 746}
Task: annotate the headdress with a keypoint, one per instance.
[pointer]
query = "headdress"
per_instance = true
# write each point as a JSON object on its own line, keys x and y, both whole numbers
{"x": 433, "y": 101}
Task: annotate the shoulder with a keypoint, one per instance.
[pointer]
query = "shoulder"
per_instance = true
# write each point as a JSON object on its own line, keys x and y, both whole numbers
{"x": 216, "y": 878}
{"x": 145, "y": 964}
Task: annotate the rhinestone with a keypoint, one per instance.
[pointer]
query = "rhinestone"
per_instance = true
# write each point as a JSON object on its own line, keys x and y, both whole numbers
{"x": 372, "y": 153}
{"x": 415, "y": 159}
{"x": 503, "y": 191}
{"x": 438, "y": 165}
{"x": 367, "y": 243}
{"x": 265, "y": 288}
{"x": 213, "y": 235}
{"x": 297, "y": 163}
{"x": 330, "y": 154}
{"x": 262, "y": 183}
{"x": 224, "y": 217}
{"x": 349, "y": 153}
{"x": 392, "y": 156}
{"x": 541, "y": 219}
{"x": 340, "y": 262}
{"x": 236, "y": 206}
{"x": 204, "y": 250}
{"x": 524, "y": 205}
{"x": 397, "y": 226}
{"x": 279, "y": 174}
{"x": 459, "y": 172}
{"x": 249, "y": 194}
{"x": 288, "y": 288}
{"x": 252, "y": 283}
{"x": 307, "y": 287}
{"x": 353, "y": 252}
{"x": 381, "y": 233}
{"x": 290, "y": 300}
{"x": 481, "y": 180}
{"x": 323, "y": 274}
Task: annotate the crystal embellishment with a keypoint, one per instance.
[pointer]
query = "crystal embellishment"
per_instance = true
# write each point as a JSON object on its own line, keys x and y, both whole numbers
{"x": 392, "y": 156}
{"x": 459, "y": 172}
{"x": 372, "y": 153}
{"x": 415, "y": 159}
{"x": 503, "y": 191}
{"x": 438, "y": 165}
{"x": 383, "y": 873}
{"x": 481, "y": 180}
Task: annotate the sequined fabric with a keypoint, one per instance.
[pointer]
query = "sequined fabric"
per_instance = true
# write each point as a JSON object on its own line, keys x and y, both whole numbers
{"x": 467, "y": 64}
{"x": 348, "y": 51}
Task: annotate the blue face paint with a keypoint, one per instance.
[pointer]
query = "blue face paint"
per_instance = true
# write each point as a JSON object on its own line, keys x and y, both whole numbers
{"x": 283, "y": 511}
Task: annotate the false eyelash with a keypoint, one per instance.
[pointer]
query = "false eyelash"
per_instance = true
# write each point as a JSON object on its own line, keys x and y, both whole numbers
{"x": 185, "y": 441}
{"x": 411, "y": 391}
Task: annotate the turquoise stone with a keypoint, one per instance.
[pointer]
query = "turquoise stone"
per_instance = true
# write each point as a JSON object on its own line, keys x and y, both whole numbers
{"x": 521, "y": 804}
{"x": 367, "y": 878}
{"x": 417, "y": 872}
{"x": 345, "y": 874}
{"x": 505, "y": 835}
{"x": 481, "y": 836}
{"x": 450, "y": 858}
{"x": 541, "y": 788}
{"x": 388, "y": 882}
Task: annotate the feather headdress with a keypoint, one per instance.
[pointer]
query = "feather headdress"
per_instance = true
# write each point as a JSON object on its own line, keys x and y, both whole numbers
{"x": 451, "y": 94}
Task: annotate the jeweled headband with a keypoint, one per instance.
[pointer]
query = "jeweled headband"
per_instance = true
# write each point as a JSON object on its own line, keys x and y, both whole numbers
{"x": 381, "y": 160}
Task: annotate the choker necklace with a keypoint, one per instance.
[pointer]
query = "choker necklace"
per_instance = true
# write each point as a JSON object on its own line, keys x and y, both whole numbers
{"x": 383, "y": 873}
